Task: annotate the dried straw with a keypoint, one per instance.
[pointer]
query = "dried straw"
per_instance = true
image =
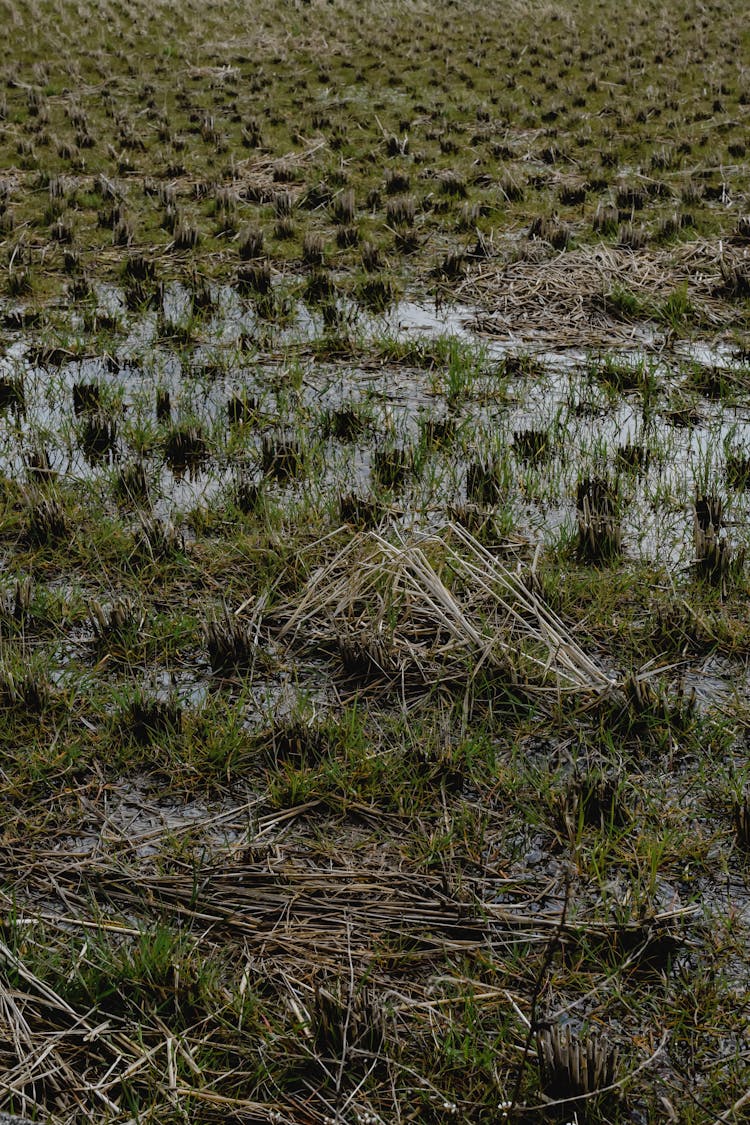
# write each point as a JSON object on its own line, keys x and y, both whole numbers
{"x": 562, "y": 298}
{"x": 442, "y": 606}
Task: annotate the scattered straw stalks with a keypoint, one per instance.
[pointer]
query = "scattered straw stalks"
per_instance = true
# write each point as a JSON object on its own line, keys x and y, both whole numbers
{"x": 296, "y": 921}
{"x": 51, "y": 1052}
{"x": 563, "y": 298}
{"x": 437, "y": 609}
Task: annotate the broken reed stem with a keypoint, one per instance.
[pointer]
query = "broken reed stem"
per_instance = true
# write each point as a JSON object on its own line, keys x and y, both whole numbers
{"x": 531, "y": 1031}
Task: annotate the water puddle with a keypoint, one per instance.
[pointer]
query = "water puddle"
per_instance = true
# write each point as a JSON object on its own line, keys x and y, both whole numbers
{"x": 716, "y": 683}
{"x": 409, "y": 318}
{"x": 208, "y": 418}
{"x": 136, "y": 818}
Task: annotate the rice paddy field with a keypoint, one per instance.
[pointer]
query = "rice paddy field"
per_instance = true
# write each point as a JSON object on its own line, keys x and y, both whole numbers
{"x": 374, "y": 578}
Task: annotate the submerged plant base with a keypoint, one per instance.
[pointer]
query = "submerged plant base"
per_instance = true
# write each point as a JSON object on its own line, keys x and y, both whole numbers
{"x": 599, "y": 529}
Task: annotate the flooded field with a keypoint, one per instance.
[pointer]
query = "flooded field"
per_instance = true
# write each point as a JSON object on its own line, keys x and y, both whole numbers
{"x": 374, "y": 564}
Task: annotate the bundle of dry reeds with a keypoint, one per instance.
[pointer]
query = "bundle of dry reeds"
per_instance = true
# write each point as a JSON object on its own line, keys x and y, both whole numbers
{"x": 439, "y": 607}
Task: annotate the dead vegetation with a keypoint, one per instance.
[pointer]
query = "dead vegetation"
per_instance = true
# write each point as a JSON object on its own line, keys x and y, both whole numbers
{"x": 390, "y": 597}
{"x": 569, "y": 298}
{"x": 373, "y": 696}
{"x": 289, "y": 922}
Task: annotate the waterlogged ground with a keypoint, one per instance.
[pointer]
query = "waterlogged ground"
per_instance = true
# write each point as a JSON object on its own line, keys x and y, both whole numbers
{"x": 193, "y": 484}
{"x": 374, "y": 632}
{"x": 470, "y": 420}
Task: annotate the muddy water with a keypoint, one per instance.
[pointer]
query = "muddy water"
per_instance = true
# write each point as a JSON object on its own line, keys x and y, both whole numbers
{"x": 135, "y": 819}
{"x": 681, "y": 440}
